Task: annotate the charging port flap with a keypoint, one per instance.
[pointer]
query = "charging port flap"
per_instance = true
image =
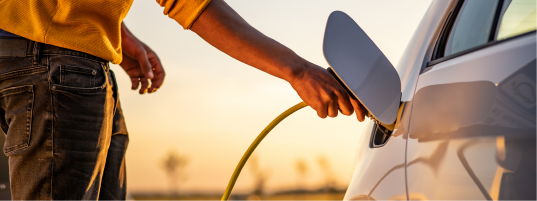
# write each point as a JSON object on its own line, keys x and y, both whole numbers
{"x": 362, "y": 68}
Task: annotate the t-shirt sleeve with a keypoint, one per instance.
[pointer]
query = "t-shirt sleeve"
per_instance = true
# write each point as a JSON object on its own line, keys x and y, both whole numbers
{"x": 185, "y": 12}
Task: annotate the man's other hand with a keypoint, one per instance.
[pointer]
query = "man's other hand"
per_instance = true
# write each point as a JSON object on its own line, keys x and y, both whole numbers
{"x": 141, "y": 63}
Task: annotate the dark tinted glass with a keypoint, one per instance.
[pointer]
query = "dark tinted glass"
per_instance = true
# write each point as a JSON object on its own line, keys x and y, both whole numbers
{"x": 472, "y": 26}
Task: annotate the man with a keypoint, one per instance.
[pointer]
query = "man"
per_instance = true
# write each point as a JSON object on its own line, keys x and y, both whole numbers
{"x": 65, "y": 133}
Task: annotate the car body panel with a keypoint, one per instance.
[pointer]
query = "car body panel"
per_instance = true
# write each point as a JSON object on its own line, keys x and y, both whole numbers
{"x": 412, "y": 60}
{"x": 380, "y": 173}
{"x": 469, "y": 120}
{"x": 383, "y": 177}
{"x": 472, "y": 107}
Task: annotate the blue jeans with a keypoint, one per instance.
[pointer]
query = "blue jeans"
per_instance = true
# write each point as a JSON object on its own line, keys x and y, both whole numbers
{"x": 65, "y": 133}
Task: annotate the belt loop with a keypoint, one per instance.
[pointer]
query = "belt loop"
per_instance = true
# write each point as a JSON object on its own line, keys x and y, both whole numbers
{"x": 37, "y": 46}
{"x": 105, "y": 66}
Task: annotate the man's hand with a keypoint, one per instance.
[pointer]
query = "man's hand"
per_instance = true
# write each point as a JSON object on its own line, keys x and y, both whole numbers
{"x": 140, "y": 63}
{"x": 223, "y": 28}
{"x": 323, "y": 93}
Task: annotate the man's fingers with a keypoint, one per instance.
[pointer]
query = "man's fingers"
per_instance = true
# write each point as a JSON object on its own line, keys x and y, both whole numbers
{"x": 321, "y": 114}
{"x": 145, "y": 84}
{"x": 158, "y": 80}
{"x": 156, "y": 83}
{"x": 322, "y": 110}
{"x": 135, "y": 83}
{"x": 359, "y": 109}
{"x": 332, "y": 109}
{"x": 141, "y": 56}
{"x": 345, "y": 105}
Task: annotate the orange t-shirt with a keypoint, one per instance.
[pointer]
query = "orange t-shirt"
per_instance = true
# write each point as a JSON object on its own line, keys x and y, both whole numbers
{"x": 90, "y": 26}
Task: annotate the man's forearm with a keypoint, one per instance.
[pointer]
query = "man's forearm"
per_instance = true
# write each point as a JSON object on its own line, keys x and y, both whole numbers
{"x": 226, "y": 30}
{"x": 223, "y": 28}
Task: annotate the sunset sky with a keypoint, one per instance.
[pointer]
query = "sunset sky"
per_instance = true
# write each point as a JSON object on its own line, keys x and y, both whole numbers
{"x": 211, "y": 106}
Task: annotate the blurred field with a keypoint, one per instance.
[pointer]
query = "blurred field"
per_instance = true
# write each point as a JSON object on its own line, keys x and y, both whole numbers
{"x": 277, "y": 197}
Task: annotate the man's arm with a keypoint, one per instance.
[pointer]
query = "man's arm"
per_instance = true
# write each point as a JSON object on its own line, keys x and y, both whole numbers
{"x": 226, "y": 30}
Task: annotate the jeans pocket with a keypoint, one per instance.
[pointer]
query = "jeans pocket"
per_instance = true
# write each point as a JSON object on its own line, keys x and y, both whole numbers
{"x": 77, "y": 76}
{"x": 78, "y": 79}
{"x": 17, "y": 107}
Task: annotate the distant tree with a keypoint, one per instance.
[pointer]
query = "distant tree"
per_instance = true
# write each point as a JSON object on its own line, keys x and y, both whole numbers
{"x": 174, "y": 166}
{"x": 302, "y": 168}
{"x": 330, "y": 181}
{"x": 260, "y": 175}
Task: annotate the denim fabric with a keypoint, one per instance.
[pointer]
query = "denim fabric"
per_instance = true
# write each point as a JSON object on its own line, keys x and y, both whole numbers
{"x": 65, "y": 132}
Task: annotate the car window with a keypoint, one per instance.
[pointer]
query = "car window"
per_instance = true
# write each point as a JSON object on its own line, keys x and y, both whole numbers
{"x": 472, "y": 26}
{"x": 518, "y": 17}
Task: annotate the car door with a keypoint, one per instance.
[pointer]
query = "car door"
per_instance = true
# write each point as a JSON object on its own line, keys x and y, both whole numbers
{"x": 472, "y": 130}
{"x": 379, "y": 167}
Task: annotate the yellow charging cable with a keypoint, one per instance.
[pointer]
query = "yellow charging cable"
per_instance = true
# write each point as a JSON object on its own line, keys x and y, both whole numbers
{"x": 254, "y": 144}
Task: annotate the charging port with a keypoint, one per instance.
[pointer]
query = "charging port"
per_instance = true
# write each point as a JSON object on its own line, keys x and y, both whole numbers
{"x": 379, "y": 136}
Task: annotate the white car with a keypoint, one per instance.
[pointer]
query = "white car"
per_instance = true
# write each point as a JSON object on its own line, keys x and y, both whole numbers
{"x": 465, "y": 128}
